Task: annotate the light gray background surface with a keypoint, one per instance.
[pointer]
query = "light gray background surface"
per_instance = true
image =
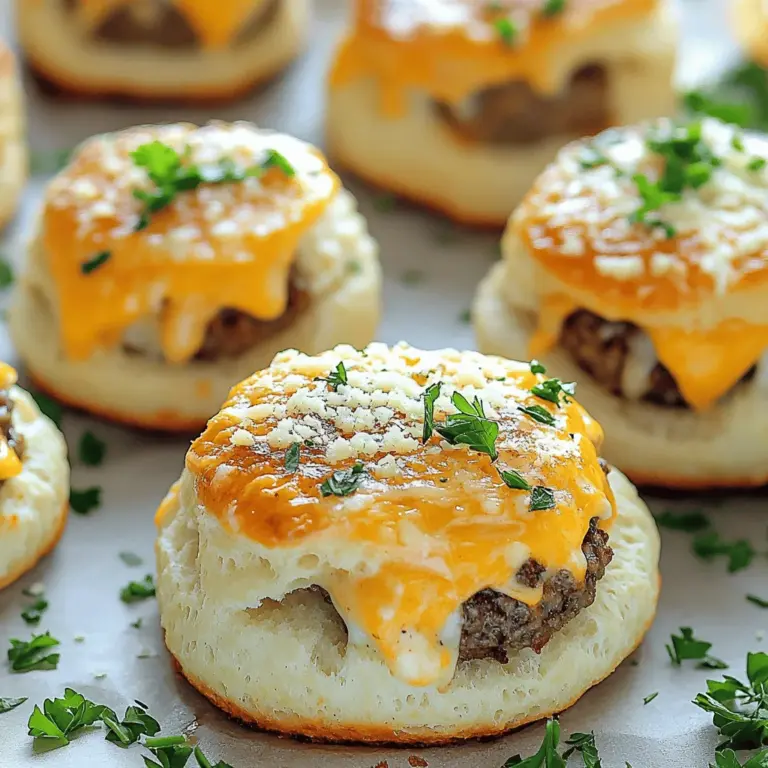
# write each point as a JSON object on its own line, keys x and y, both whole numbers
{"x": 83, "y": 577}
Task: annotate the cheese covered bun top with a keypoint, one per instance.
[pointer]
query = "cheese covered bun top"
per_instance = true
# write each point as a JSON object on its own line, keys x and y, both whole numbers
{"x": 212, "y": 25}
{"x": 178, "y": 222}
{"x": 454, "y": 48}
{"x": 403, "y": 482}
{"x": 665, "y": 226}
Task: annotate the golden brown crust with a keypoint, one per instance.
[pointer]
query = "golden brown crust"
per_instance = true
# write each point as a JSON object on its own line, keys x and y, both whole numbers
{"x": 363, "y": 733}
{"x": 31, "y": 562}
{"x": 61, "y": 87}
{"x": 694, "y": 484}
{"x": 161, "y": 421}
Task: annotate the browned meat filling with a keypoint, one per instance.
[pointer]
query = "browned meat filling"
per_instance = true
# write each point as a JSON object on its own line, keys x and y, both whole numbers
{"x": 601, "y": 347}
{"x": 514, "y": 113}
{"x": 232, "y": 333}
{"x": 9, "y": 432}
{"x": 495, "y": 624}
{"x": 160, "y": 23}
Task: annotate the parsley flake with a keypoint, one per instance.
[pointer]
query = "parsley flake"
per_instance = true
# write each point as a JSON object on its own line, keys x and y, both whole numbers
{"x": 537, "y": 367}
{"x": 6, "y": 273}
{"x": 6, "y": 705}
{"x": 542, "y": 498}
{"x": 470, "y": 426}
{"x": 650, "y": 697}
{"x": 690, "y": 522}
{"x": 547, "y": 755}
{"x": 740, "y": 553}
{"x": 344, "y": 482}
{"x": 551, "y": 389}
{"x": 61, "y": 718}
{"x": 138, "y": 590}
{"x": 584, "y": 744}
{"x": 137, "y": 722}
{"x": 728, "y": 759}
{"x": 91, "y": 449}
{"x": 760, "y": 602}
{"x": 336, "y": 378}
{"x": 553, "y": 7}
{"x": 506, "y": 30}
{"x": 92, "y": 264}
{"x": 34, "y": 612}
{"x": 130, "y": 559}
{"x": 293, "y": 457}
{"x": 83, "y": 502}
{"x": 538, "y": 413}
{"x": 756, "y": 164}
{"x": 513, "y": 479}
{"x": 431, "y": 393}
{"x": 28, "y": 655}
{"x": 686, "y": 647}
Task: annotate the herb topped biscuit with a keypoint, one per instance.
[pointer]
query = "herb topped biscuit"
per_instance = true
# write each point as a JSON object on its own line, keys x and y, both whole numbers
{"x": 403, "y": 546}
{"x": 637, "y": 265}
{"x": 164, "y": 50}
{"x": 34, "y": 480}
{"x": 171, "y": 261}
{"x": 458, "y": 104}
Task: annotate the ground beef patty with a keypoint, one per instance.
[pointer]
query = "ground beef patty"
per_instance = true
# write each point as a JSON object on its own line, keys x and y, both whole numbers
{"x": 160, "y": 23}
{"x": 601, "y": 348}
{"x": 232, "y": 333}
{"x": 495, "y": 624}
{"x": 513, "y": 113}
{"x": 9, "y": 432}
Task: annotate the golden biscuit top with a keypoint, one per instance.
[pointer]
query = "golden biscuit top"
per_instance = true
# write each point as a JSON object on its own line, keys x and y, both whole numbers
{"x": 179, "y": 222}
{"x": 453, "y": 48}
{"x": 444, "y": 471}
{"x": 655, "y": 217}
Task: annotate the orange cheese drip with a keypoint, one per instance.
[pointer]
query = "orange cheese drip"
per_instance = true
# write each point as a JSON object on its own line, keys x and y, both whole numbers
{"x": 450, "y": 64}
{"x": 10, "y": 463}
{"x": 215, "y": 23}
{"x": 439, "y": 531}
{"x": 157, "y": 273}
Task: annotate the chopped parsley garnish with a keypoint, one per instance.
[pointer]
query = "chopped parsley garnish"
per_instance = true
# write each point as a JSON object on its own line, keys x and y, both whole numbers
{"x": 699, "y": 103}
{"x": 551, "y": 389}
{"x": 293, "y": 457}
{"x": 91, "y": 449}
{"x": 62, "y": 718}
{"x": 344, "y": 482}
{"x": 537, "y": 367}
{"x": 172, "y": 173}
{"x": 538, "y": 413}
{"x": 96, "y": 261}
{"x": 336, "y": 378}
{"x": 175, "y": 751}
{"x": 740, "y": 710}
{"x": 584, "y": 744}
{"x": 506, "y": 30}
{"x": 204, "y": 762}
{"x": 130, "y": 559}
{"x": 431, "y": 393}
{"x": 757, "y": 164}
{"x": 6, "y": 273}
{"x": 590, "y": 157}
{"x": 709, "y": 545}
{"x": 690, "y": 522}
{"x": 85, "y": 501}
{"x": 728, "y": 759}
{"x": 542, "y": 498}
{"x": 137, "y": 624}
{"x": 513, "y": 479}
{"x": 49, "y": 407}
{"x": 470, "y": 426}
{"x": 650, "y": 697}
{"x": 34, "y": 612}
{"x": 136, "y": 723}
{"x": 6, "y": 705}
{"x": 760, "y": 602}
{"x": 553, "y": 7}
{"x": 466, "y": 316}
{"x": 138, "y": 590}
{"x": 547, "y": 756}
{"x": 685, "y": 647}
{"x": 28, "y": 655}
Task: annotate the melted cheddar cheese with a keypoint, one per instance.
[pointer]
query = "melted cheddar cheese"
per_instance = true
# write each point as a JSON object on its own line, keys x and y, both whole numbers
{"x": 431, "y": 524}
{"x": 10, "y": 463}
{"x": 228, "y": 245}
{"x": 453, "y": 48}
{"x": 215, "y": 23}
{"x": 696, "y": 293}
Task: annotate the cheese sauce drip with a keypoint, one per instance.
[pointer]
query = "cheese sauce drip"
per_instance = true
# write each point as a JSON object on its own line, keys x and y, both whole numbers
{"x": 220, "y": 245}
{"x": 430, "y": 524}
{"x": 215, "y": 23}
{"x": 576, "y": 223}
{"x": 453, "y": 48}
{"x": 10, "y": 463}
